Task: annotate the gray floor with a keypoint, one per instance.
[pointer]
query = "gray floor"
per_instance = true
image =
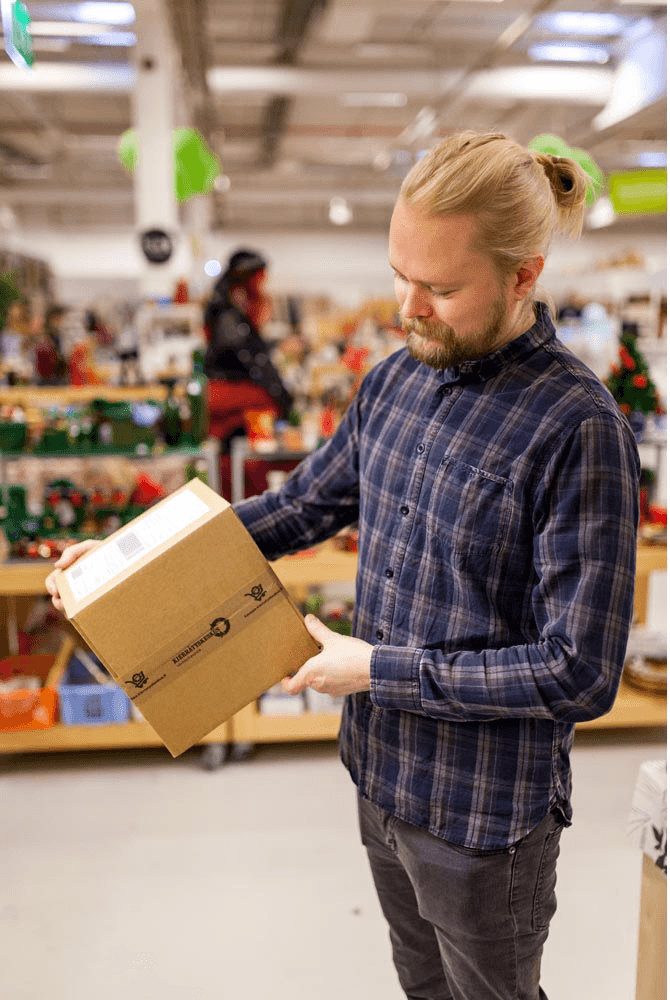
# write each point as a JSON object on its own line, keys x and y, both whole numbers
{"x": 129, "y": 876}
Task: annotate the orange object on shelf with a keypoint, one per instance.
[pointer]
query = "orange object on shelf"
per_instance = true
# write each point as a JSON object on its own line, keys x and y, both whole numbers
{"x": 33, "y": 709}
{"x": 259, "y": 426}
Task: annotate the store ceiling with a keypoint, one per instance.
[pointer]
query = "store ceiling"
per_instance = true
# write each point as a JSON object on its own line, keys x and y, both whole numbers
{"x": 304, "y": 100}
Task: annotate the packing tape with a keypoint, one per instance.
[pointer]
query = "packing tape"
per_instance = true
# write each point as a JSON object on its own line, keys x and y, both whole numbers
{"x": 200, "y": 640}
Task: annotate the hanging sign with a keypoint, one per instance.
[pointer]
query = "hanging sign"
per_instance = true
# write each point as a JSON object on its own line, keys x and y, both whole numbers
{"x": 639, "y": 192}
{"x": 156, "y": 246}
{"x": 16, "y": 31}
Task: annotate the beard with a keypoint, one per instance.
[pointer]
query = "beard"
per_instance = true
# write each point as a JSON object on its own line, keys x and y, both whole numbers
{"x": 437, "y": 345}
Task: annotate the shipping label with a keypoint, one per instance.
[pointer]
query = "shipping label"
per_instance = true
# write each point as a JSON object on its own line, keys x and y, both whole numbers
{"x": 140, "y": 538}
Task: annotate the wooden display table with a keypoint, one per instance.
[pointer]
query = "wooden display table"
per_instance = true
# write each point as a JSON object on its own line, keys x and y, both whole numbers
{"x": 633, "y": 708}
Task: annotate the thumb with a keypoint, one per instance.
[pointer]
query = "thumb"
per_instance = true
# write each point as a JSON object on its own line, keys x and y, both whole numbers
{"x": 317, "y": 629}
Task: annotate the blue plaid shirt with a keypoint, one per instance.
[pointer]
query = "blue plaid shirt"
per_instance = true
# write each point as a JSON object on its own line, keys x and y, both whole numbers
{"x": 497, "y": 506}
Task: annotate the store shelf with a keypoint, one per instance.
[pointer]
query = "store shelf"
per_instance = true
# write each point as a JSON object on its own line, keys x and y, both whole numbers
{"x": 64, "y": 395}
{"x": 251, "y": 726}
{"x": 58, "y": 737}
{"x": 208, "y": 451}
{"x": 633, "y": 708}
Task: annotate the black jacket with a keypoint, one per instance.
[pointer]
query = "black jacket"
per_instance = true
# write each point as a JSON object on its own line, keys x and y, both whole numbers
{"x": 237, "y": 353}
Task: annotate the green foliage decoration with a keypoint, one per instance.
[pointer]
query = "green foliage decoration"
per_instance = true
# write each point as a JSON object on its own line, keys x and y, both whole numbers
{"x": 195, "y": 165}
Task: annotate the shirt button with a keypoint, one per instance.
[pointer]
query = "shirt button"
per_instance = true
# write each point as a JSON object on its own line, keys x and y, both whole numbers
{"x": 389, "y": 573}
{"x": 420, "y": 448}
{"x": 512, "y": 850}
{"x": 446, "y": 391}
{"x": 380, "y": 634}
{"x": 404, "y": 511}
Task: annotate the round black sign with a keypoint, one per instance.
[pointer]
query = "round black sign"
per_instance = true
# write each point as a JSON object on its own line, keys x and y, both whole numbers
{"x": 156, "y": 246}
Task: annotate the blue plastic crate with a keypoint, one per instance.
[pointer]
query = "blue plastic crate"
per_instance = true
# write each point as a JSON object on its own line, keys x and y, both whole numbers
{"x": 84, "y": 702}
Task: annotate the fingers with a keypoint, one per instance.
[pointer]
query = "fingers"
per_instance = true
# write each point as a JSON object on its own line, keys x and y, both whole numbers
{"x": 304, "y": 678}
{"x": 74, "y": 552}
{"x": 317, "y": 629}
{"x": 67, "y": 558}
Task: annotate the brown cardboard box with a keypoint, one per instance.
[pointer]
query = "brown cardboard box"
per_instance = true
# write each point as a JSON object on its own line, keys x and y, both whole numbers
{"x": 186, "y": 614}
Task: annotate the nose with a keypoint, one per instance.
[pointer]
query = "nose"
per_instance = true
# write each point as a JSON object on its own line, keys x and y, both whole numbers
{"x": 416, "y": 302}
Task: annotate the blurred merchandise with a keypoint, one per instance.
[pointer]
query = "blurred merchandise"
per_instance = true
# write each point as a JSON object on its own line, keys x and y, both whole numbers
{"x": 28, "y": 689}
{"x": 87, "y": 696}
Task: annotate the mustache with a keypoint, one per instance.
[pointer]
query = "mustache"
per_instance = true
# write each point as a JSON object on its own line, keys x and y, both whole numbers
{"x": 427, "y": 329}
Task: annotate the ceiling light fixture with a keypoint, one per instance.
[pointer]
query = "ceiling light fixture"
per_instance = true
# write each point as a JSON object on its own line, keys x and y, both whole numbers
{"x": 120, "y": 39}
{"x": 565, "y": 52}
{"x": 103, "y": 13}
{"x": 652, "y": 159}
{"x": 594, "y": 23}
{"x": 68, "y": 29}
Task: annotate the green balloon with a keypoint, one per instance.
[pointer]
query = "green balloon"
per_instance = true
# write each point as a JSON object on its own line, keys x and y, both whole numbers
{"x": 195, "y": 165}
{"x": 127, "y": 150}
{"x": 592, "y": 170}
{"x": 552, "y": 145}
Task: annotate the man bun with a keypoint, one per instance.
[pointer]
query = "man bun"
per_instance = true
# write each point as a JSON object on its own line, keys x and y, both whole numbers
{"x": 570, "y": 184}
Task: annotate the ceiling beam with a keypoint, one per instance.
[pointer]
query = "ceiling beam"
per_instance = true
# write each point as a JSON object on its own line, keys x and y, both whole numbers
{"x": 295, "y": 19}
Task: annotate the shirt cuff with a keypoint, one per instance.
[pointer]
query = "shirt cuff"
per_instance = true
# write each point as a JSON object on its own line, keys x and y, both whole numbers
{"x": 394, "y": 678}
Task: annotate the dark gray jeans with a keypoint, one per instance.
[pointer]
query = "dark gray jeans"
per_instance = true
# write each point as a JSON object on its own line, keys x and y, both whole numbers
{"x": 465, "y": 924}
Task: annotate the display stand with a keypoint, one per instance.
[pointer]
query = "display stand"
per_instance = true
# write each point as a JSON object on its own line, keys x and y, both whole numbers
{"x": 298, "y": 573}
{"x": 241, "y": 452}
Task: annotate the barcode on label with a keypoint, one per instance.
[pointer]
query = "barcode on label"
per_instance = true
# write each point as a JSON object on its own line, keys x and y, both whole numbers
{"x": 129, "y": 544}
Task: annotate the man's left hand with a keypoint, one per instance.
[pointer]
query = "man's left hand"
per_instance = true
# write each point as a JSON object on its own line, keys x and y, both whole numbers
{"x": 342, "y": 667}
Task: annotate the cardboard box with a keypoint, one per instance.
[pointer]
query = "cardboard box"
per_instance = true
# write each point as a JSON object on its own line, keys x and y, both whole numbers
{"x": 186, "y": 614}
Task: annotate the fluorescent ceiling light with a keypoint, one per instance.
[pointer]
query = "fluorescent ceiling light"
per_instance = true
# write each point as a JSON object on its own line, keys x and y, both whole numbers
{"x": 564, "y": 52}
{"x": 651, "y": 159}
{"x": 122, "y": 39}
{"x": 103, "y": 13}
{"x": 68, "y": 29}
{"x": 569, "y": 22}
{"x": 369, "y": 100}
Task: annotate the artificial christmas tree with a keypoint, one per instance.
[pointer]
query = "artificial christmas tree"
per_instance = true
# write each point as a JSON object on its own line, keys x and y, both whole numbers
{"x": 630, "y": 384}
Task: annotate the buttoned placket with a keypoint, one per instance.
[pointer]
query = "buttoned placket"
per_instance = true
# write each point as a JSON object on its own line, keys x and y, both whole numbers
{"x": 447, "y": 396}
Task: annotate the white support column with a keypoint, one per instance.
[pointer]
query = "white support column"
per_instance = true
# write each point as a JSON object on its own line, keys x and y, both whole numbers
{"x": 158, "y": 76}
{"x": 199, "y": 226}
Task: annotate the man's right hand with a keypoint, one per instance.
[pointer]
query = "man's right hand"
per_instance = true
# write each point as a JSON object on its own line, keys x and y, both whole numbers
{"x": 69, "y": 556}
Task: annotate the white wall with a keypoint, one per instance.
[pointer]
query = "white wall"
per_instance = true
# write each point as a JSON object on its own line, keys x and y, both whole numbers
{"x": 347, "y": 266}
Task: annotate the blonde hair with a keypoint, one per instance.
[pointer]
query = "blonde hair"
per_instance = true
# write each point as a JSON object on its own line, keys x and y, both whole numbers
{"x": 519, "y": 198}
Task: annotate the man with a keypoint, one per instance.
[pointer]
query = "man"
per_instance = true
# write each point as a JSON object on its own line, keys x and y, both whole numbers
{"x": 494, "y": 482}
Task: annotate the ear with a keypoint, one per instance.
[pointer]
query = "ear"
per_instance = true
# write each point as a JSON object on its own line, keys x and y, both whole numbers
{"x": 526, "y": 276}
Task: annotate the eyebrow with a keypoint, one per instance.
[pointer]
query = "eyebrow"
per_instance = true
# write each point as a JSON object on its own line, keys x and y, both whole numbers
{"x": 444, "y": 286}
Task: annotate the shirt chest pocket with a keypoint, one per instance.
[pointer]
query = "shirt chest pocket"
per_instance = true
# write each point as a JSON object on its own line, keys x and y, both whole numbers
{"x": 469, "y": 508}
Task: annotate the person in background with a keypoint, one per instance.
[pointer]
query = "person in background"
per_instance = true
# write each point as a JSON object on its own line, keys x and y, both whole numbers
{"x": 494, "y": 481}
{"x": 51, "y": 366}
{"x": 241, "y": 374}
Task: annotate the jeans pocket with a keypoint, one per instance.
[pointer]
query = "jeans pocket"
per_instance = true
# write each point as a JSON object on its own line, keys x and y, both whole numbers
{"x": 544, "y": 899}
